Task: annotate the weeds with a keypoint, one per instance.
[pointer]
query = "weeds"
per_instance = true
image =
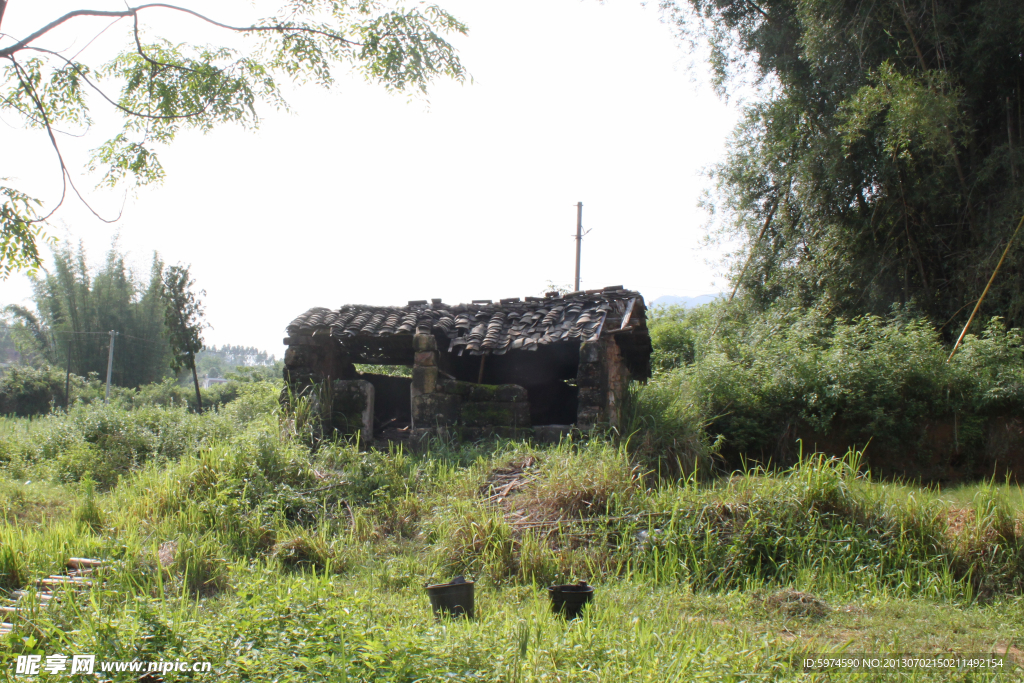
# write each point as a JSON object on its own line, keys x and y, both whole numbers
{"x": 276, "y": 563}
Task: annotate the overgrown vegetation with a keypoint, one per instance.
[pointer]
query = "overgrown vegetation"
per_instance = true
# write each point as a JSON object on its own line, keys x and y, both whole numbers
{"x": 753, "y": 376}
{"x": 228, "y": 540}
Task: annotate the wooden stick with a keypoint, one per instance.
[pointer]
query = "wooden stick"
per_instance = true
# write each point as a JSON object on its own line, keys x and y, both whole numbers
{"x": 83, "y": 562}
{"x": 982, "y": 297}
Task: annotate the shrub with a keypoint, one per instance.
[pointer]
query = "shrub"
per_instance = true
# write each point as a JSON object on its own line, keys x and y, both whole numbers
{"x": 751, "y": 378}
{"x": 28, "y": 391}
{"x": 85, "y": 460}
{"x": 170, "y": 393}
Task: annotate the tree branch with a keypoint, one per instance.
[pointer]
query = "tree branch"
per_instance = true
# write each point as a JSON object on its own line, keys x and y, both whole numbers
{"x": 27, "y": 85}
{"x": 65, "y": 175}
{"x": 113, "y": 103}
{"x": 760, "y": 11}
{"x": 133, "y": 11}
{"x": 3, "y": 8}
{"x": 24, "y": 42}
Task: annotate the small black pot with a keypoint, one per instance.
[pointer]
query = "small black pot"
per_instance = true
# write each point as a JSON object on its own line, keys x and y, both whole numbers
{"x": 570, "y": 599}
{"x": 454, "y": 599}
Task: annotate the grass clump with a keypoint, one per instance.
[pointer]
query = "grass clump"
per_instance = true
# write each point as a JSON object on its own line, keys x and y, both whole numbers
{"x": 581, "y": 482}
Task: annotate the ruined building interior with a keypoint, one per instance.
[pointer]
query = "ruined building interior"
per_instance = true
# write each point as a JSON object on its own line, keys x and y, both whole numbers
{"x": 532, "y": 368}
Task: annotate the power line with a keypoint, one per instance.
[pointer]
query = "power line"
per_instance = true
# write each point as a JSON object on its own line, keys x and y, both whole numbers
{"x": 17, "y": 327}
{"x": 66, "y": 332}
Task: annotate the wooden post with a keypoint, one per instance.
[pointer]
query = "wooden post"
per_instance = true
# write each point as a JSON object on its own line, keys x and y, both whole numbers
{"x": 480, "y": 377}
{"x": 195, "y": 379}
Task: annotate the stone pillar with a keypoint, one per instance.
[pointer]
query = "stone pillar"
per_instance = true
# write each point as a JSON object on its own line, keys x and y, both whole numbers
{"x": 424, "y": 380}
{"x": 592, "y": 380}
{"x": 424, "y": 369}
{"x": 603, "y": 381}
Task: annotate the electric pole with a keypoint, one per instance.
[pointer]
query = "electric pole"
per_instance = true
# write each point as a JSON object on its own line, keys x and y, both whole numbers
{"x": 110, "y": 365}
{"x": 579, "y": 241}
{"x": 67, "y": 381}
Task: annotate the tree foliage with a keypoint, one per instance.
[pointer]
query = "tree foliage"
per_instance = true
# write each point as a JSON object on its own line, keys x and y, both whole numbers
{"x": 77, "y": 307}
{"x": 884, "y": 163}
{"x": 168, "y": 87}
{"x": 184, "y": 322}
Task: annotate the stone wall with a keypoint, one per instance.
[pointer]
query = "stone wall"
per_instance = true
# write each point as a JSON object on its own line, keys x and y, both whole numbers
{"x": 440, "y": 402}
{"x": 351, "y": 408}
{"x": 474, "y": 410}
{"x": 315, "y": 359}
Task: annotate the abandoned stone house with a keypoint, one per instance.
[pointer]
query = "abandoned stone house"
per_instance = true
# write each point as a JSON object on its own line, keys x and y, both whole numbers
{"x": 533, "y": 368}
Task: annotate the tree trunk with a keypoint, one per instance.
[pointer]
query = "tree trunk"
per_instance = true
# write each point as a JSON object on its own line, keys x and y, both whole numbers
{"x": 195, "y": 378}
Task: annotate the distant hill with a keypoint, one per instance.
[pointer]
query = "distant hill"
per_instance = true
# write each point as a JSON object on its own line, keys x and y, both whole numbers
{"x": 684, "y": 301}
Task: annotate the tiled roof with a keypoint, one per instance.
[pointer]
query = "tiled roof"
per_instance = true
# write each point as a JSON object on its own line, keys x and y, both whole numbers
{"x": 484, "y": 327}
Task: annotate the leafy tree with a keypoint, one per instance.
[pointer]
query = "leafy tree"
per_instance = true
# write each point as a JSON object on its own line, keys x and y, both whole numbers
{"x": 167, "y": 87}
{"x": 29, "y": 336}
{"x": 78, "y": 306}
{"x": 884, "y": 163}
{"x": 184, "y": 320}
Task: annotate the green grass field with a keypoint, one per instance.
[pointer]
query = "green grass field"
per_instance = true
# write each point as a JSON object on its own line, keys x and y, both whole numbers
{"x": 229, "y": 541}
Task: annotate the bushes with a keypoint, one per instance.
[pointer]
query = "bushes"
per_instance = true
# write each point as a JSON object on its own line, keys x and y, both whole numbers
{"x": 758, "y": 376}
{"x": 28, "y": 391}
{"x": 105, "y": 442}
{"x": 170, "y": 393}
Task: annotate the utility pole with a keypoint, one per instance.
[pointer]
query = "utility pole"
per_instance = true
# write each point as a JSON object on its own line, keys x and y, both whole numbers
{"x": 110, "y": 365}
{"x": 579, "y": 241}
{"x": 67, "y": 381}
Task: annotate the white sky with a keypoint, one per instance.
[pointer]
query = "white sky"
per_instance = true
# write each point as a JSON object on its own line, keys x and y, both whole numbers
{"x": 363, "y": 197}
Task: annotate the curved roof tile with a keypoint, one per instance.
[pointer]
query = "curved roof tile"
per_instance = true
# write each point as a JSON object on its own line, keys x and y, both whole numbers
{"x": 482, "y": 327}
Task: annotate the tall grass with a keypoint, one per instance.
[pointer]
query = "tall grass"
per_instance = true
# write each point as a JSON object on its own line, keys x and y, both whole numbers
{"x": 245, "y": 547}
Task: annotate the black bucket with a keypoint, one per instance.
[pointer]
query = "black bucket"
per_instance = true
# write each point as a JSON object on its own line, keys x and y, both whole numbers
{"x": 454, "y": 599}
{"x": 570, "y": 599}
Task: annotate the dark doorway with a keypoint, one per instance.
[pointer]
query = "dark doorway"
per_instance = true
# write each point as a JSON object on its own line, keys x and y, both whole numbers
{"x": 548, "y": 375}
{"x": 392, "y": 406}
